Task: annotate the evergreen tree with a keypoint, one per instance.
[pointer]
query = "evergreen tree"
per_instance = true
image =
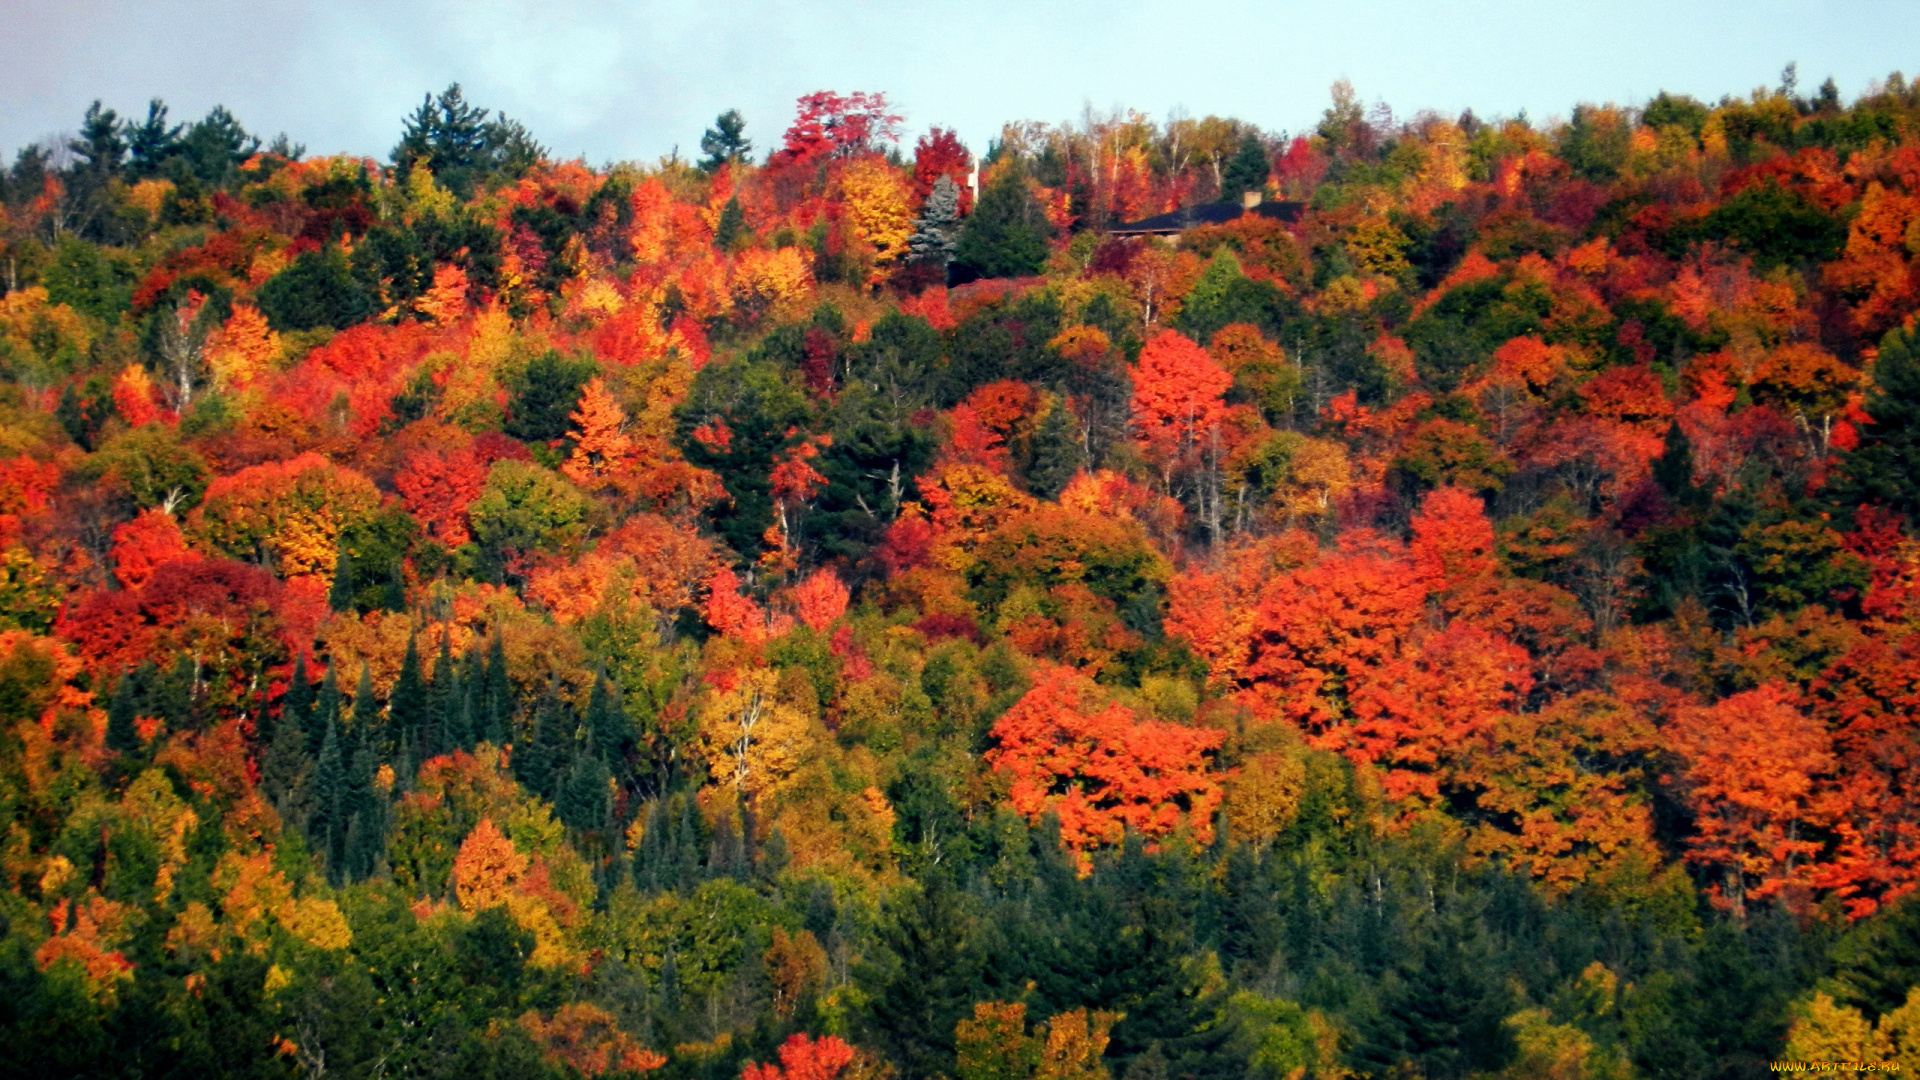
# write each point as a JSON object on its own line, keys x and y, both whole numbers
{"x": 606, "y": 719}
{"x": 1058, "y": 453}
{"x": 461, "y": 145}
{"x": 937, "y": 229}
{"x": 1247, "y": 170}
{"x": 101, "y": 147}
{"x": 1006, "y": 235}
{"x": 539, "y": 764}
{"x": 652, "y": 859}
{"x": 296, "y": 706}
{"x": 326, "y": 829}
{"x": 368, "y": 724}
{"x": 725, "y": 142}
{"x": 1441, "y": 1011}
{"x": 326, "y": 711}
{"x": 542, "y": 396}
{"x": 152, "y": 142}
{"x": 584, "y": 800}
{"x": 122, "y": 736}
{"x": 409, "y": 709}
{"x": 924, "y": 980}
{"x": 363, "y": 843}
{"x": 732, "y": 225}
{"x": 446, "y": 705}
{"x": 287, "y": 773}
{"x": 171, "y": 697}
{"x": 1885, "y": 467}
{"x": 494, "y": 723}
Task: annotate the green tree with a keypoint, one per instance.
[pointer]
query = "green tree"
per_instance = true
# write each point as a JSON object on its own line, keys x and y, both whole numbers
{"x": 725, "y": 142}
{"x": 543, "y": 396}
{"x": 409, "y": 707}
{"x": 1247, "y": 170}
{"x": 524, "y": 508}
{"x": 1885, "y": 468}
{"x": 463, "y": 145}
{"x": 1058, "y": 453}
{"x": 1006, "y": 235}
{"x": 936, "y": 232}
{"x": 319, "y": 289}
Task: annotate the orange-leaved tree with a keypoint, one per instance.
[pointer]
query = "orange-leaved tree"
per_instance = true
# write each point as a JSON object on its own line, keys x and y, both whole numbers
{"x": 1758, "y": 776}
{"x": 1101, "y": 768}
{"x": 587, "y": 1039}
{"x": 803, "y": 1057}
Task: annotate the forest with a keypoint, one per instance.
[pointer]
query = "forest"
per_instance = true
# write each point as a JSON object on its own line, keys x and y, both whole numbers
{"x": 835, "y": 609}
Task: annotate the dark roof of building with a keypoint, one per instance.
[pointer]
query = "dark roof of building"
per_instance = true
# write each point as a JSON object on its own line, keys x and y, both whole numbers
{"x": 1207, "y": 214}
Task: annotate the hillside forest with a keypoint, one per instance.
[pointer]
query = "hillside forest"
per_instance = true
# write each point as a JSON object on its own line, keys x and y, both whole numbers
{"x": 831, "y": 609}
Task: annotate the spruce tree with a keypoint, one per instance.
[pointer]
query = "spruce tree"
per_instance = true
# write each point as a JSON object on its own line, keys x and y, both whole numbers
{"x": 584, "y": 799}
{"x": 1006, "y": 235}
{"x": 367, "y": 722}
{"x": 924, "y": 975}
{"x": 296, "y": 708}
{"x": 651, "y": 859}
{"x": 537, "y": 765}
{"x": 446, "y": 705}
{"x": 326, "y": 711}
{"x": 122, "y": 736}
{"x": 1058, "y": 453}
{"x": 408, "y": 709}
{"x": 497, "y": 717}
{"x": 606, "y": 719}
{"x": 1247, "y": 170}
{"x": 731, "y": 227}
{"x": 326, "y": 830}
{"x": 340, "y": 596}
{"x": 937, "y": 228}
{"x": 286, "y": 772}
{"x": 363, "y": 843}
{"x": 1885, "y": 468}
{"x": 171, "y": 696}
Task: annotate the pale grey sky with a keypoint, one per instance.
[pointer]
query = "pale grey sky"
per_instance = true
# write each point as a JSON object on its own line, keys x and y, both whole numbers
{"x": 610, "y": 80}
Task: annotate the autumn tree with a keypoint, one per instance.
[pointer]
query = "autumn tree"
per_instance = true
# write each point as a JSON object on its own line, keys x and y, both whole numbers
{"x": 1102, "y": 769}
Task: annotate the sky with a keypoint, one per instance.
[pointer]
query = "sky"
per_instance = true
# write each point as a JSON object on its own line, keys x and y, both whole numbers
{"x": 613, "y": 81}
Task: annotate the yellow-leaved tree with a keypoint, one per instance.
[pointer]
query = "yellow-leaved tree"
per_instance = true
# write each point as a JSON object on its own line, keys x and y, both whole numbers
{"x": 753, "y": 741}
{"x": 879, "y": 209}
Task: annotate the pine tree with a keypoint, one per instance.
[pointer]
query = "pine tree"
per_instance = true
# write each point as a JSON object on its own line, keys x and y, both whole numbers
{"x": 122, "y": 736}
{"x": 409, "y": 711}
{"x": 725, "y": 142}
{"x": 937, "y": 229}
{"x": 1058, "y": 453}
